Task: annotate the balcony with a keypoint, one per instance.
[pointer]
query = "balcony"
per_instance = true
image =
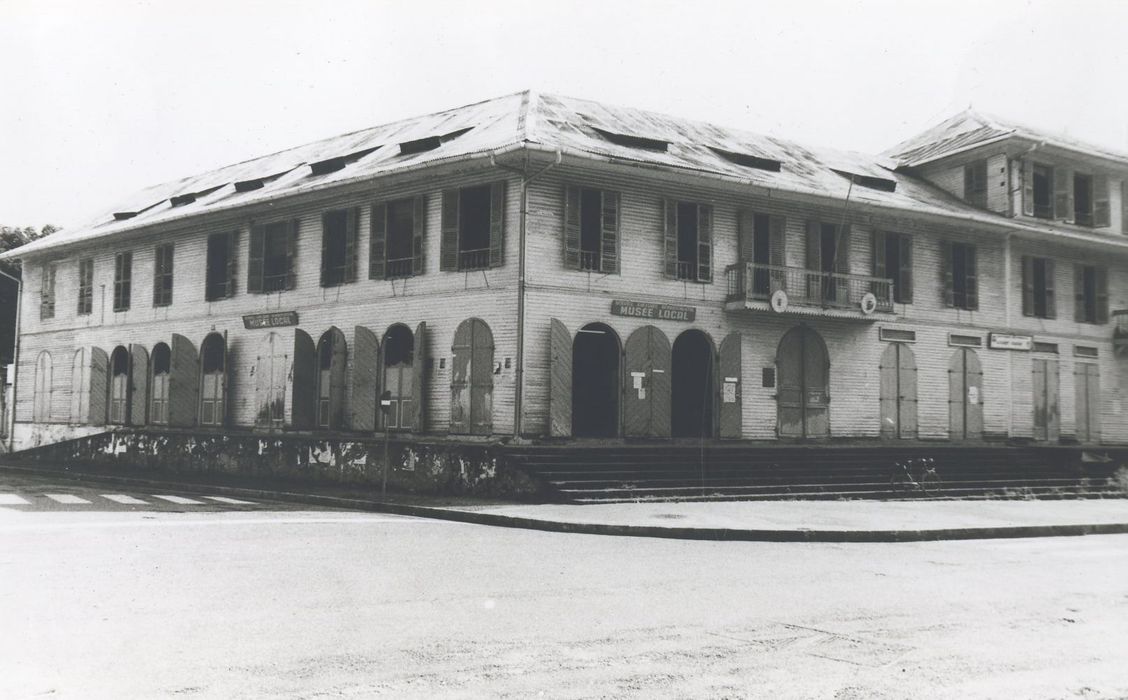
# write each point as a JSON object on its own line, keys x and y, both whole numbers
{"x": 751, "y": 286}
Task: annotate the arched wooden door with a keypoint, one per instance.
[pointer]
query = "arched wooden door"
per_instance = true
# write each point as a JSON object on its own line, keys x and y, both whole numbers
{"x": 1044, "y": 388}
{"x": 965, "y": 395}
{"x": 471, "y": 378}
{"x": 213, "y": 379}
{"x": 898, "y": 392}
{"x": 119, "y": 386}
{"x": 803, "y": 398}
{"x": 731, "y": 378}
{"x": 365, "y": 379}
{"x": 332, "y": 351}
{"x": 646, "y": 384}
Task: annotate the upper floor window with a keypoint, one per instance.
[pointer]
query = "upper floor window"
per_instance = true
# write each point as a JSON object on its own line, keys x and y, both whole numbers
{"x": 274, "y": 249}
{"x": 688, "y": 241}
{"x": 473, "y": 228}
{"x": 123, "y": 280}
{"x": 893, "y": 259}
{"x": 1043, "y": 191}
{"x": 761, "y": 239}
{"x": 395, "y": 248}
{"x": 1038, "y": 287}
{"x": 1057, "y": 192}
{"x": 338, "y": 246}
{"x": 959, "y": 275}
{"x": 220, "y": 275}
{"x": 1090, "y": 284}
{"x": 162, "y": 275}
{"x": 85, "y": 286}
{"x": 975, "y": 183}
{"x": 591, "y": 229}
{"x": 47, "y": 292}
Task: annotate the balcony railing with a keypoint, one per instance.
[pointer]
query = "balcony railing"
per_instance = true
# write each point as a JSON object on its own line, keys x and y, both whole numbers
{"x": 756, "y": 282}
{"x": 474, "y": 259}
{"x": 399, "y": 267}
{"x": 589, "y": 261}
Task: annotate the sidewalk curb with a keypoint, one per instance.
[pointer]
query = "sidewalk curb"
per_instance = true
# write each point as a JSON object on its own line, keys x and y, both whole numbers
{"x": 653, "y": 531}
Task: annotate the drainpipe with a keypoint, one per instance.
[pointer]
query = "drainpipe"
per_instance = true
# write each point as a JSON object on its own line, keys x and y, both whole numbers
{"x": 526, "y": 178}
{"x": 15, "y": 359}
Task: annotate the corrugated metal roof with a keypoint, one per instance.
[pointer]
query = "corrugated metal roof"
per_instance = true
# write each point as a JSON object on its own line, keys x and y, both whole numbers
{"x": 575, "y": 126}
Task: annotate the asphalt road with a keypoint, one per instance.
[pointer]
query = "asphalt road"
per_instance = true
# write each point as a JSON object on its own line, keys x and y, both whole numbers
{"x": 258, "y": 600}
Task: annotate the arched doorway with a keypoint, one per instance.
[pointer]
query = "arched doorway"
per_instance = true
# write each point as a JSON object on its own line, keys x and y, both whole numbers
{"x": 471, "y": 378}
{"x": 331, "y": 357}
{"x": 646, "y": 396}
{"x": 119, "y": 386}
{"x": 965, "y": 395}
{"x": 272, "y": 365}
{"x": 803, "y": 397}
{"x": 898, "y": 392}
{"x": 213, "y": 385}
{"x": 693, "y": 385}
{"x": 162, "y": 365}
{"x": 595, "y": 381}
{"x": 399, "y": 375}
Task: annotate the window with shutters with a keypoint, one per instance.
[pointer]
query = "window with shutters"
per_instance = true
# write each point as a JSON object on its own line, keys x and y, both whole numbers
{"x": 85, "y": 286}
{"x": 591, "y": 229}
{"x": 958, "y": 270}
{"x": 473, "y": 228}
{"x": 162, "y": 275}
{"x": 273, "y": 250}
{"x": 338, "y": 247}
{"x": 1091, "y": 291}
{"x": 220, "y": 274}
{"x": 975, "y": 183}
{"x": 689, "y": 241}
{"x": 396, "y": 243}
{"x": 1043, "y": 177}
{"x": 158, "y": 384}
{"x": 1083, "y": 199}
{"x": 47, "y": 292}
{"x": 1038, "y": 287}
{"x": 213, "y": 385}
{"x": 893, "y": 259}
{"x": 123, "y": 280}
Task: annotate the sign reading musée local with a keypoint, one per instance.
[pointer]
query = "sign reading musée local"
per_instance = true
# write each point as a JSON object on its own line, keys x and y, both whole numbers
{"x": 661, "y": 312}
{"x": 271, "y": 320}
{"x": 1004, "y": 341}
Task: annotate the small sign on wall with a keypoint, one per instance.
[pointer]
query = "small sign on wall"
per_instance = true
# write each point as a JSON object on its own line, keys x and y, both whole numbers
{"x": 274, "y": 319}
{"x": 1006, "y": 341}
{"x": 661, "y": 312}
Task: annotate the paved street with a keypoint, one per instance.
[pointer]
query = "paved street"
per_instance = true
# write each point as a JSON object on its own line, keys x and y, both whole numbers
{"x": 259, "y": 600}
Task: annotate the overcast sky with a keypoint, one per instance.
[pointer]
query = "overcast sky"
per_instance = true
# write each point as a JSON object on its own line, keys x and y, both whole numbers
{"x": 103, "y": 98}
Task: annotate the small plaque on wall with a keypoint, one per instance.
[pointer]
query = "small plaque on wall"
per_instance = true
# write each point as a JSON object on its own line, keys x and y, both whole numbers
{"x": 769, "y": 377}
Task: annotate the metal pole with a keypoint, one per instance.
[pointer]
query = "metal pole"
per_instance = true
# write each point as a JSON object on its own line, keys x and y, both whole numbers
{"x": 384, "y": 479}
{"x": 15, "y": 358}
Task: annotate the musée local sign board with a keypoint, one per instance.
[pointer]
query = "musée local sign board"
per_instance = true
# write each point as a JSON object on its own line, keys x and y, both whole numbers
{"x": 661, "y": 312}
{"x": 271, "y": 320}
{"x": 1005, "y": 341}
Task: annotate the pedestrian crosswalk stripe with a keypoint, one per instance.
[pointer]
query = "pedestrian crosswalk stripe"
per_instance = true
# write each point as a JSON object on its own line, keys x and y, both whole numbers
{"x": 229, "y": 501}
{"x": 179, "y": 500}
{"x": 11, "y": 499}
{"x": 124, "y": 500}
{"x": 68, "y": 499}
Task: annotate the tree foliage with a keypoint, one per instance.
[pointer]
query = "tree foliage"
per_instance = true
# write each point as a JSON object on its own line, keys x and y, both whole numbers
{"x": 14, "y": 237}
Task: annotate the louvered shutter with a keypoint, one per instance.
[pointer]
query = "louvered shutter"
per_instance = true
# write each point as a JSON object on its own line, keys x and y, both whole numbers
{"x": 1079, "y": 293}
{"x": 879, "y": 254}
{"x": 704, "y": 243}
{"x": 303, "y": 383}
{"x": 777, "y": 250}
{"x": 1063, "y": 194}
{"x": 1102, "y": 294}
{"x": 418, "y": 231}
{"x": 1124, "y": 206}
{"x": 972, "y": 278}
{"x": 560, "y": 380}
{"x": 1051, "y": 298}
{"x": 99, "y": 385}
{"x": 351, "y": 231}
{"x": 325, "y": 273}
{"x": 1027, "y": 285}
{"x": 448, "y": 255}
{"x": 497, "y": 224}
{"x": 337, "y": 379}
{"x": 183, "y": 382}
{"x": 292, "y": 254}
{"x": 258, "y": 253}
{"x": 419, "y": 375}
{"x": 905, "y": 283}
{"x": 814, "y": 247}
{"x": 1102, "y": 210}
{"x": 609, "y": 234}
{"x": 745, "y": 235}
{"x": 232, "y": 257}
{"x": 365, "y": 379}
{"x": 670, "y": 237}
{"x": 139, "y": 381}
{"x": 572, "y": 227}
{"x": 946, "y": 283}
{"x": 378, "y": 242}
{"x": 1027, "y": 187}
{"x": 842, "y": 249}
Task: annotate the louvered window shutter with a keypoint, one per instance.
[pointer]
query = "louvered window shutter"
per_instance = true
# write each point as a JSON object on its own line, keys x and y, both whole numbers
{"x": 325, "y": 273}
{"x": 879, "y": 254}
{"x": 292, "y": 254}
{"x": 258, "y": 252}
{"x": 814, "y": 246}
{"x": 378, "y": 242}
{"x": 351, "y": 230}
{"x": 1063, "y": 194}
{"x": 448, "y": 255}
{"x": 905, "y": 283}
{"x": 777, "y": 241}
{"x": 1027, "y": 285}
{"x": 704, "y": 243}
{"x": 1027, "y": 187}
{"x": 232, "y": 257}
{"x": 842, "y": 249}
{"x": 946, "y": 273}
{"x": 418, "y": 231}
{"x": 1102, "y": 294}
{"x": 1051, "y": 300}
{"x": 497, "y": 224}
{"x": 1102, "y": 210}
{"x": 745, "y": 235}
{"x": 670, "y": 237}
{"x": 972, "y": 278}
{"x": 1079, "y": 293}
{"x": 609, "y": 234}
{"x": 572, "y": 227}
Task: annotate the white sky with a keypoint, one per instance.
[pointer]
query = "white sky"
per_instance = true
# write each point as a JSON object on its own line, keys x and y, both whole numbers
{"x": 103, "y": 98}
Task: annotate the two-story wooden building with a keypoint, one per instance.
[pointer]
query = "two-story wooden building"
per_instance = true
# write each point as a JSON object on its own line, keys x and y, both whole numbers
{"x": 540, "y": 266}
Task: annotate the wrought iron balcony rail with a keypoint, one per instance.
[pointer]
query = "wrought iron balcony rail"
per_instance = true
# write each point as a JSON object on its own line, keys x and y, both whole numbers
{"x": 399, "y": 267}
{"x": 474, "y": 259}
{"x": 756, "y": 282}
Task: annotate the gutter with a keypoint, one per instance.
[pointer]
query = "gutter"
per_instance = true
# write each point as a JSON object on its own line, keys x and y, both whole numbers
{"x": 15, "y": 357}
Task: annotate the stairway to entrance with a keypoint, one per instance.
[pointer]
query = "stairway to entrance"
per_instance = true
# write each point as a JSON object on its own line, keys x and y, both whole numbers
{"x": 720, "y": 472}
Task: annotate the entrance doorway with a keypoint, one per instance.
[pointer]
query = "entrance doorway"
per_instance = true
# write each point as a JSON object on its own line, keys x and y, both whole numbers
{"x": 1047, "y": 415}
{"x": 965, "y": 395}
{"x": 646, "y": 396}
{"x": 693, "y": 381}
{"x": 803, "y": 398}
{"x": 119, "y": 386}
{"x": 1087, "y": 390}
{"x": 471, "y": 378}
{"x": 898, "y": 392}
{"x": 595, "y": 382}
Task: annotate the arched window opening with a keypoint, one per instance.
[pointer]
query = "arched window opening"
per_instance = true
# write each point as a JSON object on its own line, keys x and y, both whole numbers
{"x": 213, "y": 373}
{"x": 41, "y": 405}
{"x": 399, "y": 360}
{"x": 119, "y": 386}
{"x": 162, "y": 365}
{"x": 331, "y": 351}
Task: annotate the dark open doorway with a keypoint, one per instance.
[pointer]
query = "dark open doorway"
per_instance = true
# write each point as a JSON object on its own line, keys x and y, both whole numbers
{"x": 595, "y": 382}
{"x": 692, "y": 365}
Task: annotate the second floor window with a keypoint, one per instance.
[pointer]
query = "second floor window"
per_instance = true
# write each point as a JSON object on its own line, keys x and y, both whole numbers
{"x": 959, "y": 275}
{"x": 338, "y": 246}
{"x": 688, "y": 241}
{"x": 1038, "y": 287}
{"x": 123, "y": 280}
{"x": 828, "y": 253}
{"x": 219, "y": 280}
{"x": 1090, "y": 286}
{"x": 975, "y": 183}
{"x": 162, "y": 275}
{"x": 47, "y": 292}
{"x": 473, "y": 228}
{"x": 893, "y": 259}
{"x": 591, "y": 229}
{"x": 1042, "y": 191}
{"x": 395, "y": 248}
{"x": 85, "y": 286}
{"x": 274, "y": 250}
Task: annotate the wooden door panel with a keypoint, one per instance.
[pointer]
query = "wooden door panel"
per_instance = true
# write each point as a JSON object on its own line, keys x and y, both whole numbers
{"x": 732, "y": 387}
{"x": 560, "y": 380}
